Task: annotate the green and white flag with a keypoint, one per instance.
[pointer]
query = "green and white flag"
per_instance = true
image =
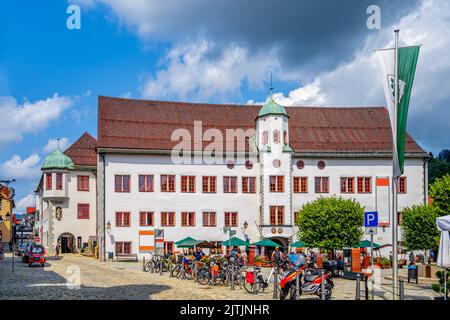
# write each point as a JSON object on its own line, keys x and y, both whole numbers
{"x": 407, "y": 61}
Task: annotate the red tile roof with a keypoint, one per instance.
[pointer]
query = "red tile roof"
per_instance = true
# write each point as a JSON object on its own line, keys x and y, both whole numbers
{"x": 83, "y": 152}
{"x": 148, "y": 124}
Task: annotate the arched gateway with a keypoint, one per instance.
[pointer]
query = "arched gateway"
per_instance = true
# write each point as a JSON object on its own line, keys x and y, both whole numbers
{"x": 67, "y": 242}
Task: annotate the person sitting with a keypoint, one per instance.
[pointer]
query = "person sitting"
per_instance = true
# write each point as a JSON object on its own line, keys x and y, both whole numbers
{"x": 340, "y": 266}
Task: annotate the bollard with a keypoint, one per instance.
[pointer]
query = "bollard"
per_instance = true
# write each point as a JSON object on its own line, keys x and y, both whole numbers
{"x": 297, "y": 286}
{"x": 241, "y": 282}
{"x": 195, "y": 271}
{"x": 322, "y": 284}
{"x": 160, "y": 266}
{"x": 275, "y": 284}
{"x": 366, "y": 288}
{"x": 232, "y": 278}
{"x": 401, "y": 288}
{"x": 143, "y": 263}
{"x": 358, "y": 287}
{"x": 254, "y": 281}
{"x": 213, "y": 274}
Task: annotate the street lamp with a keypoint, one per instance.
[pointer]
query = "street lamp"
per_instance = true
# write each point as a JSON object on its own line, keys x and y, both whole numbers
{"x": 108, "y": 226}
{"x": 245, "y": 225}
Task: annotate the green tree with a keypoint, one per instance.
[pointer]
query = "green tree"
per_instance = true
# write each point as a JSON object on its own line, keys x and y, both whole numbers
{"x": 419, "y": 231}
{"x": 440, "y": 193}
{"x": 330, "y": 223}
{"x": 437, "y": 168}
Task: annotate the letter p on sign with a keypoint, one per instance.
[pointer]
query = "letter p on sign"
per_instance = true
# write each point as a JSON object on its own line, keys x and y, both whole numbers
{"x": 371, "y": 219}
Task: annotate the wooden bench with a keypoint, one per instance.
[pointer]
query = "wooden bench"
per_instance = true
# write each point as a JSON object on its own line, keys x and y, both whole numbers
{"x": 127, "y": 256}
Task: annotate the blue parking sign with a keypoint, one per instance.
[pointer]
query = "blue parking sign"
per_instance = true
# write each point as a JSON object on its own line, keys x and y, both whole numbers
{"x": 371, "y": 219}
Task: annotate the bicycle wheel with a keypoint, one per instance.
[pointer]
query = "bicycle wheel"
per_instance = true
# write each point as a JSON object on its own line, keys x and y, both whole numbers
{"x": 176, "y": 271}
{"x": 203, "y": 277}
{"x": 148, "y": 266}
{"x": 188, "y": 274}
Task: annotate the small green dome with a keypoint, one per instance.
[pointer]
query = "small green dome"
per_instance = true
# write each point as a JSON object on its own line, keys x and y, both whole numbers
{"x": 271, "y": 107}
{"x": 57, "y": 160}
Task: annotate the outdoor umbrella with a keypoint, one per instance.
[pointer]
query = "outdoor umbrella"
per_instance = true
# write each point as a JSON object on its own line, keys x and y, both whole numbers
{"x": 266, "y": 243}
{"x": 443, "y": 258}
{"x": 235, "y": 242}
{"x": 184, "y": 240}
{"x": 189, "y": 244}
{"x": 298, "y": 244}
{"x": 366, "y": 244}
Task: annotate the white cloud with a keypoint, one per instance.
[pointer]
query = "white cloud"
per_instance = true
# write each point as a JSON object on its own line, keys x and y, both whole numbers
{"x": 24, "y": 169}
{"x": 52, "y": 145}
{"x": 359, "y": 82}
{"x": 27, "y": 201}
{"x": 29, "y": 117}
{"x": 202, "y": 70}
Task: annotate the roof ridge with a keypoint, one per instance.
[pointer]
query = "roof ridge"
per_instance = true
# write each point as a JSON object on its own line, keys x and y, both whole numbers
{"x": 230, "y": 104}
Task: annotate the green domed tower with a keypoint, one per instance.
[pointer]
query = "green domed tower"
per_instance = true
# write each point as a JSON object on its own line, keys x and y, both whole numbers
{"x": 57, "y": 160}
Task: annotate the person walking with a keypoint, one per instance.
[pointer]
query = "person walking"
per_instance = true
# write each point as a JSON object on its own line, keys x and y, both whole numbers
{"x": 57, "y": 250}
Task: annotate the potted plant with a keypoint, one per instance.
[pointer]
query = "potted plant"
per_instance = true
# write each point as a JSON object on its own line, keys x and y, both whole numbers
{"x": 385, "y": 263}
{"x": 259, "y": 261}
{"x": 439, "y": 287}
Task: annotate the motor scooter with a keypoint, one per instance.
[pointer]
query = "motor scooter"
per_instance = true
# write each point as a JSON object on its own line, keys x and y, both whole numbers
{"x": 310, "y": 283}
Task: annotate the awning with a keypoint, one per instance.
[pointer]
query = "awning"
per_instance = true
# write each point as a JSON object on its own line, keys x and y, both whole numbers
{"x": 366, "y": 244}
{"x": 266, "y": 243}
{"x": 235, "y": 242}
{"x": 298, "y": 244}
{"x": 189, "y": 243}
{"x": 184, "y": 240}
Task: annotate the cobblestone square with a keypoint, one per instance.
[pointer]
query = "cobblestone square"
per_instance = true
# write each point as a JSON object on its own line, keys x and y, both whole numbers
{"x": 126, "y": 280}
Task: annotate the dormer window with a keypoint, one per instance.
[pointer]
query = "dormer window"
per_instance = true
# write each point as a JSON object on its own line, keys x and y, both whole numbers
{"x": 276, "y": 136}
{"x": 265, "y": 137}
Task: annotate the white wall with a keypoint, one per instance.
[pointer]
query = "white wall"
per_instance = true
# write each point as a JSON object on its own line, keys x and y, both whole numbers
{"x": 247, "y": 205}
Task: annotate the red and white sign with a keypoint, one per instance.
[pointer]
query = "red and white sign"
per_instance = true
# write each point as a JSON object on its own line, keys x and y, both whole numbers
{"x": 38, "y": 239}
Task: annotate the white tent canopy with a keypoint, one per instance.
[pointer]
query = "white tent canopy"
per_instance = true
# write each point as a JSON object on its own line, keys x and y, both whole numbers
{"x": 443, "y": 225}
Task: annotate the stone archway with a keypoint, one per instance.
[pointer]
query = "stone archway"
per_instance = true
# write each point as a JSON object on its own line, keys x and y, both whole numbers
{"x": 66, "y": 242}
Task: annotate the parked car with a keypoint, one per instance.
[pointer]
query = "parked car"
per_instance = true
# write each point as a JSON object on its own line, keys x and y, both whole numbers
{"x": 36, "y": 255}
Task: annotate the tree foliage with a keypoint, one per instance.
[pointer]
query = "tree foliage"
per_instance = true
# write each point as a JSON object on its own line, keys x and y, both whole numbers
{"x": 437, "y": 168}
{"x": 440, "y": 193}
{"x": 330, "y": 223}
{"x": 419, "y": 231}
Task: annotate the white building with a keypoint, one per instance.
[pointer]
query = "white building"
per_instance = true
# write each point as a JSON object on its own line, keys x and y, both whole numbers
{"x": 66, "y": 198}
{"x": 290, "y": 156}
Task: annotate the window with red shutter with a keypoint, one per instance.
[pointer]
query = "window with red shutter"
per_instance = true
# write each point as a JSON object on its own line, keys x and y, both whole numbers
{"x": 209, "y": 219}
{"x": 48, "y": 181}
{"x": 347, "y": 185}
{"x": 229, "y": 184}
{"x": 168, "y": 219}
{"x": 401, "y": 185}
{"x": 145, "y": 183}
{"x": 364, "y": 184}
{"x": 167, "y": 183}
{"x": 248, "y": 185}
{"x": 276, "y": 183}
{"x": 321, "y": 184}
{"x": 83, "y": 211}
{"x": 188, "y": 184}
{"x": 122, "y": 183}
{"x": 230, "y": 219}
{"x": 209, "y": 184}
{"x": 59, "y": 181}
{"x": 168, "y": 247}
{"x": 276, "y": 136}
{"x": 276, "y": 215}
{"x": 83, "y": 183}
{"x": 146, "y": 218}
{"x": 122, "y": 219}
{"x": 188, "y": 219}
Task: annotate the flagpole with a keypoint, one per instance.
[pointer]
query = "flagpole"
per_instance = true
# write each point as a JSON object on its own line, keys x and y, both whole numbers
{"x": 394, "y": 178}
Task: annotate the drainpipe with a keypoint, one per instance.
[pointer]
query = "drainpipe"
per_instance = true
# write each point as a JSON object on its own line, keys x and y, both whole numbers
{"x": 425, "y": 179}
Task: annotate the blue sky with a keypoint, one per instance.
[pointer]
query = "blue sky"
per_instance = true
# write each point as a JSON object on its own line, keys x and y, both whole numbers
{"x": 207, "y": 51}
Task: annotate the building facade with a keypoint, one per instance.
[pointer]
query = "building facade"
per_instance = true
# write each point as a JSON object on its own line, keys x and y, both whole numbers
{"x": 192, "y": 169}
{"x": 66, "y": 198}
